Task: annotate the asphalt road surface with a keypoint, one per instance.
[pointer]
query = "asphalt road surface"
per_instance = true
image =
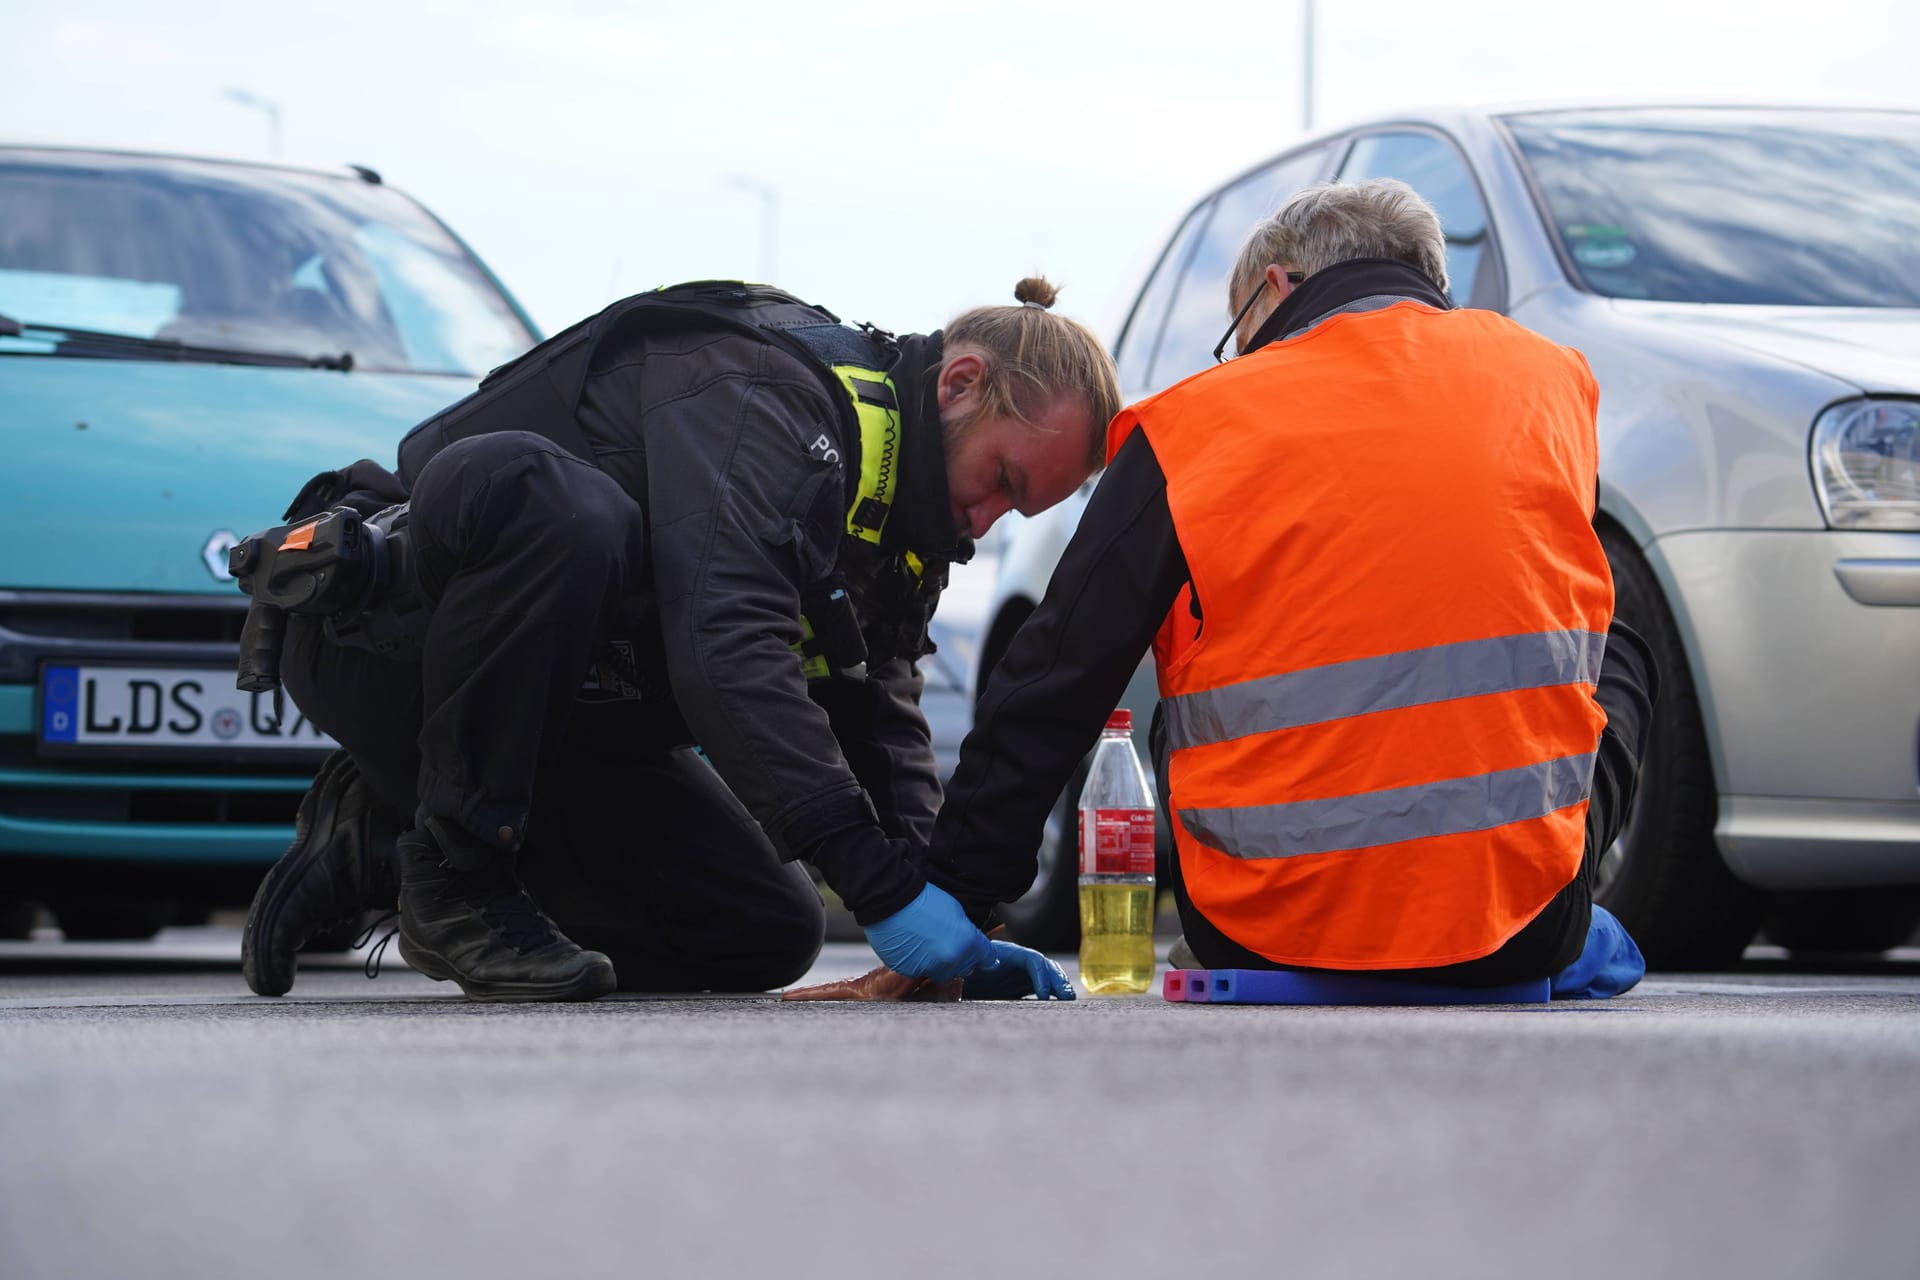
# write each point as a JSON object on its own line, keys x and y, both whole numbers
{"x": 156, "y": 1121}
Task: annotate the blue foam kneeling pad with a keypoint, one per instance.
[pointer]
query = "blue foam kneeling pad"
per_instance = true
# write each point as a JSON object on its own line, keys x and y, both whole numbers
{"x": 1281, "y": 986}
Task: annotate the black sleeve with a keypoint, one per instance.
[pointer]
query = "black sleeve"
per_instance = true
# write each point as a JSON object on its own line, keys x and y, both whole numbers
{"x": 1062, "y": 675}
{"x": 879, "y": 725}
{"x": 1628, "y": 689}
{"x": 746, "y": 509}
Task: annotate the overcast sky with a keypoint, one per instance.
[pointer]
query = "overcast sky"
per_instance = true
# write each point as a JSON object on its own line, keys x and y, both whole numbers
{"x": 922, "y": 156}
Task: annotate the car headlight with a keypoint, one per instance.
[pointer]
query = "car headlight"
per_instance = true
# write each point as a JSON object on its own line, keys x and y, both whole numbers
{"x": 1866, "y": 464}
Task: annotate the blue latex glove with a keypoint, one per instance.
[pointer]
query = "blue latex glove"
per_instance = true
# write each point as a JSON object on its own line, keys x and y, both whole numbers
{"x": 930, "y": 937}
{"x": 1610, "y": 964}
{"x": 1015, "y": 972}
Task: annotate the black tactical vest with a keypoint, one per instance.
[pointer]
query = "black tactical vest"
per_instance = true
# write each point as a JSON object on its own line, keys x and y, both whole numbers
{"x": 541, "y": 392}
{"x": 543, "y": 387}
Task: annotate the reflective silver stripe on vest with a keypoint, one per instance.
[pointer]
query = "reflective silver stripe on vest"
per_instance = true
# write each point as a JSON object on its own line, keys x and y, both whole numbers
{"x": 1343, "y": 689}
{"x": 1443, "y": 808}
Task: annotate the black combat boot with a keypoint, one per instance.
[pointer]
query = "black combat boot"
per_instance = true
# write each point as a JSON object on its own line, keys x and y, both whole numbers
{"x": 341, "y": 863}
{"x": 479, "y": 928}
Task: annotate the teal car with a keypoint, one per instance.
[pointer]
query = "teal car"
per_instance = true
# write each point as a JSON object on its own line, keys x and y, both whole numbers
{"x": 183, "y": 342}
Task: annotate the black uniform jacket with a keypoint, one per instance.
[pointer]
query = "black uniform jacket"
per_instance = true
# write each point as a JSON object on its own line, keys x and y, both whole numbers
{"x": 1069, "y": 664}
{"x": 746, "y": 464}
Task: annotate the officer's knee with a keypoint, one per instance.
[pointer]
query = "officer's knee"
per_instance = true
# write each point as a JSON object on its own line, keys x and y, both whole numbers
{"x": 467, "y": 464}
{"x": 594, "y": 523}
{"x": 782, "y": 943}
{"x": 521, "y": 489}
{"x": 791, "y": 948}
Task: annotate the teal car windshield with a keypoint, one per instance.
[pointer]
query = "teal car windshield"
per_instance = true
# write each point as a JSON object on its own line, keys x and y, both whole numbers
{"x": 235, "y": 258}
{"x": 1773, "y": 208}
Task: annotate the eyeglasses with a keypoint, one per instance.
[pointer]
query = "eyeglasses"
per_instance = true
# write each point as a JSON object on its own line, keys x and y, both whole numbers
{"x": 1220, "y": 355}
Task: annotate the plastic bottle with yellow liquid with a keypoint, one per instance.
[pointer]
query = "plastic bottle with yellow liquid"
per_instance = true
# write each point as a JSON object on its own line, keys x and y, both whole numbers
{"x": 1116, "y": 867}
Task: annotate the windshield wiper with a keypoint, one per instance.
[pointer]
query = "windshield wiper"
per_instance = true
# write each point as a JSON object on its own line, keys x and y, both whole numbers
{"x": 101, "y": 345}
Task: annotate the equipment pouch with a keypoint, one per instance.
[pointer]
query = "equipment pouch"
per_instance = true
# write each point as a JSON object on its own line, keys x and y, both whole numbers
{"x": 905, "y": 592}
{"x": 834, "y": 645}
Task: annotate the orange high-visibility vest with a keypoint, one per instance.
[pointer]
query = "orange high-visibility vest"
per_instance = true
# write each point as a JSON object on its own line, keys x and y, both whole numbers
{"x": 1382, "y": 725}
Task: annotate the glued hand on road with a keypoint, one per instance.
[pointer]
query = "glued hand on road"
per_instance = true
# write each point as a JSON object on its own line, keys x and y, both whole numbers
{"x": 882, "y": 985}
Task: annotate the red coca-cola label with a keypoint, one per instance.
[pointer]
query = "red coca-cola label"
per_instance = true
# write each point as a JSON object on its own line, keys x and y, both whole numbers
{"x": 1116, "y": 842}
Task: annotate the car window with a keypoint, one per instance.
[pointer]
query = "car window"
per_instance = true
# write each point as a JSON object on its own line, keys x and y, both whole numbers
{"x": 1782, "y": 208}
{"x": 1200, "y": 309}
{"x": 1429, "y": 164}
{"x": 1135, "y": 352}
{"x": 257, "y": 259}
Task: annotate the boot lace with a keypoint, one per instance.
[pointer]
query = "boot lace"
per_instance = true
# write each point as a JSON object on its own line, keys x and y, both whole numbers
{"x": 519, "y": 923}
{"x": 497, "y": 897}
{"x": 390, "y": 919}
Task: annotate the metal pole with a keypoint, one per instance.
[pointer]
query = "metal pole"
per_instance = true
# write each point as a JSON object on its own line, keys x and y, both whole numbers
{"x": 1306, "y": 66}
{"x": 267, "y": 106}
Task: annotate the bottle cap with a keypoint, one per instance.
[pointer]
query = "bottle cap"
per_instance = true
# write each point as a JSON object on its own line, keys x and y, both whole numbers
{"x": 1122, "y": 720}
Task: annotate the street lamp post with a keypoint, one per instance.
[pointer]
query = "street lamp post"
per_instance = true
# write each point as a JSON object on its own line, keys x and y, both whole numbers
{"x": 266, "y": 105}
{"x": 1306, "y": 66}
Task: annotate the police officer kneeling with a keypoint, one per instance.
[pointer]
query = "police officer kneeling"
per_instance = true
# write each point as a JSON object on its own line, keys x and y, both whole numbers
{"x": 709, "y": 515}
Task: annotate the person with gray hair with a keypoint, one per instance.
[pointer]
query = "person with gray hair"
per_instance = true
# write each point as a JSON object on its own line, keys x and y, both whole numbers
{"x": 1398, "y": 723}
{"x": 1323, "y": 226}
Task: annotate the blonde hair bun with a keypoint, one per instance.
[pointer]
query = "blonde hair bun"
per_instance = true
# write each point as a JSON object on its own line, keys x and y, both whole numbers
{"x": 1033, "y": 356}
{"x": 1036, "y": 291}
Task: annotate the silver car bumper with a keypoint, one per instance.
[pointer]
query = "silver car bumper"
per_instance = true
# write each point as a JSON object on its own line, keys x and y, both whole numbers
{"x": 1806, "y": 648}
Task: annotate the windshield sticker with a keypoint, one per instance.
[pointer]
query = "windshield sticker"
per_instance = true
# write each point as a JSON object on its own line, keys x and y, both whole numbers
{"x": 1598, "y": 245}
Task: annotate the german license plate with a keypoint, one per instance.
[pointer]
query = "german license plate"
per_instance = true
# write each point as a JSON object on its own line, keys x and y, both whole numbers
{"x": 173, "y": 710}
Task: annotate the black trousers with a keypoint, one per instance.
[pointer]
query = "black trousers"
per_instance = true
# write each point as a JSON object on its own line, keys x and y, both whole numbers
{"x": 1554, "y": 938}
{"x": 621, "y": 831}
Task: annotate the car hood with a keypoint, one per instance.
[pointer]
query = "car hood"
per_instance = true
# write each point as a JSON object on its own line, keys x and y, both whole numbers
{"x": 123, "y": 475}
{"x": 1875, "y": 349}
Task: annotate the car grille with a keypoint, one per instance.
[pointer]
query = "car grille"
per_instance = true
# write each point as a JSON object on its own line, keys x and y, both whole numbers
{"x": 66, "y": 616}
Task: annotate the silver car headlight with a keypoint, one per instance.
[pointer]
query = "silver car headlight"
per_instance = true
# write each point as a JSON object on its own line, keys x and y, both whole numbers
{"x": 1866, "y": 464}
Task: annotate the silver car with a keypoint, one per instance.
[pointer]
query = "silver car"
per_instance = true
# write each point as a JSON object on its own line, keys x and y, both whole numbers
{"x": 1746, "y": 286}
